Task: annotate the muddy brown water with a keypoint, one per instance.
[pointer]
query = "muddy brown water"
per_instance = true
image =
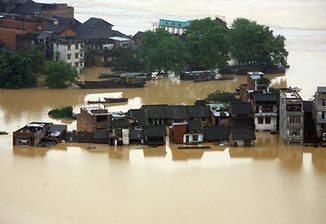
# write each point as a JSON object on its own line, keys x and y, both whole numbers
{"x": 269, "y": 183}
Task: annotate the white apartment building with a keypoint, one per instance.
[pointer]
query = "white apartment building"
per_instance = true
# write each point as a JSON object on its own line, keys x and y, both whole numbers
{"x": 69, "y": 51}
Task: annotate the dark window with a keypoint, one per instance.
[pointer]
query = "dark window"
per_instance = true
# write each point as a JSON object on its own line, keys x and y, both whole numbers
{"x": 68, "y": 56}
{"x": 267, "y": 120}
{"x": 260, "y": 120}
{"x": 76, "y": 55}
{"x": 101, "y": 118}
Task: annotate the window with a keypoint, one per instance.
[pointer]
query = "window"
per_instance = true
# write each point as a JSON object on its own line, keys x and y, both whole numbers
{"x": 323, "y": 102}
{"x": 260, "y": 120}
{"x": 323, "y": 115}
{"x": 68, "y": 56}
{"x": 76, "y": 55}
{"x": 195, "y": 138}
{"x": 76, "y": 64}
{"x": 76, "y": 46}
{"x": 69, "y": 47}
{"x": 295, "y": 132}
{"x": 294, "y": 120}
{"x": 267, "y": 120}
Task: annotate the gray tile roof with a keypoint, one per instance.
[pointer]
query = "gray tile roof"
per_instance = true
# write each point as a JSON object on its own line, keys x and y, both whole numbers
{"x": 198, "y": 111}
{"x": 98, "y": 23}
{"x": 216, "y": 133}
{"x": 195, "y": 127}
{"x": 243, "y": 135}
{"x": 155, "y": 131}
{"x": 140, "y": 115}
{"x": 119, "y": 124}
{"x": 266, "y": 98}
{"x": 241, "y": 108}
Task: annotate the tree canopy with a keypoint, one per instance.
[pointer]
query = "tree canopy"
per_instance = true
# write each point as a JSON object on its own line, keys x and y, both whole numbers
{"x": 64, "y": 112}
{"x": 222, "y": 97}
{"x": 127, "y": 60}
{"x": 59, "y": 74}
{"x": 254, "y": 44}
{"x": 35, "y": 54}
{"x": 16, "y": 71}
{"x": 160, "y": 51}
{"x": 208, "y": 43}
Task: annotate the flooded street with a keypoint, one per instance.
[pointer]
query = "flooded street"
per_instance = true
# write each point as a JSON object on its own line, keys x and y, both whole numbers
{"x": 87, "y": 183}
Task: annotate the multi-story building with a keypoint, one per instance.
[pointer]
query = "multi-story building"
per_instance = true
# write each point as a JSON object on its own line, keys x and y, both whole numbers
{"x": 69, "y": 51}
{"x": 320, "y": 113}
{"x": 266, "y": 111}
{"x": 92, "y": 119}
{"x": 291, "y": 117}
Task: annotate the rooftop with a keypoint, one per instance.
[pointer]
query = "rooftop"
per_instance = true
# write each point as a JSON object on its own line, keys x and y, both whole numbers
{"x": 95, "y": 110}
{"x": 290, "y": 94}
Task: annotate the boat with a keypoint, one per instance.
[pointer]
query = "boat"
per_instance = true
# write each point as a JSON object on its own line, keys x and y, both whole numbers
{"x": 113, "y": 83}
{"x": 108, "y": 100}
{"x": 115, "y": 100}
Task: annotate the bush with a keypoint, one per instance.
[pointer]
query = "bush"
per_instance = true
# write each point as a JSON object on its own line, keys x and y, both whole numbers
{"x": 64, "y": 112}
{"x": 222, "y": 97}
{"x": 59, "y": 74}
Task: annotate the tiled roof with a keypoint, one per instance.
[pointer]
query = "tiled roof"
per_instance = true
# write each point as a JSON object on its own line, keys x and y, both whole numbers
{"x": 198, "y": 111}
{"x": 98, "y": 23}
{"x": 177, "y": 112}
{"x": 157, "y": 111}
{"x": 195, "y": 127}
{"x": 154, "y": 131}
{"x": 241, "y": 108}
{"x": 140, "y": 115}
{"x": 216, "y": 133}
{"x": 119, "y": 124}
{"x": 266, "y": 97}
{"x": 243, "y": 135}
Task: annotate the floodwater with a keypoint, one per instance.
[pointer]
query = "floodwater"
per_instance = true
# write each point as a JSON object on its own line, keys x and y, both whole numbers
{"x": 270, "y": 183}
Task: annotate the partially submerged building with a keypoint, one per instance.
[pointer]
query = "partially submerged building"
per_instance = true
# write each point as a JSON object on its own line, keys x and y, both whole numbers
{"x": 291, "y": 117}
{"x": 39, "y": 134}
{"x": 69, "y": 51}
{"x": 266, "y": 111}
{"x": 320, "y": 113}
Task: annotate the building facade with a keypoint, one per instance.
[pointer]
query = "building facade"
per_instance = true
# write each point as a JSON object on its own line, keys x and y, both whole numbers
{"x": 266, "y": 112}
{"x": 320, "y": 113}
{"x": 69, "y": 51}
{"x": 291, "y": 117}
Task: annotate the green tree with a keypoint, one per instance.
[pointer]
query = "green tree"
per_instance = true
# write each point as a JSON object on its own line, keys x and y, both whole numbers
{"x": 59, "y": 74}
{"x": 127, "y": 60}
{"x": 264, "y": 81}
{"x": 16, "y": 71}
{"x": 208, "y": 43}
{"x": 160, "y": 51}
{"x": 35, "y": 54}
{"x": 254, "y": 44}
{"x": 222, "y": 97}
{"x": 64, "y": 112}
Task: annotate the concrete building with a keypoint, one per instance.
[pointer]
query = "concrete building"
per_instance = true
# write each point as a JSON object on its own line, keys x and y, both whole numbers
{"x": 69, "y": 51}
{"x": 93, "y": 119}
{"x": 320, "y": 113}
{"x": 173, "y": 26}
{"x": 291, "y": 117}
{"x": 266, "y": 111}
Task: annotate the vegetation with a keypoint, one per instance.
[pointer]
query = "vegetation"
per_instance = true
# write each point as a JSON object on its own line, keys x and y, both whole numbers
{"x": 222, "y": 97}
{"x": 16, "y": 71}
{"x": 264, "y": 81}
{"x": 160, "y": 51}
{"x": 208, "y": 44}
{"x": 3, "y": 133}
{"x": 254, "y": 44}
{"x": 59, "y": 74}
{"x": 34, "y": 53}
{"x": 127, "y": 60}
{"x": 64, "y": 112}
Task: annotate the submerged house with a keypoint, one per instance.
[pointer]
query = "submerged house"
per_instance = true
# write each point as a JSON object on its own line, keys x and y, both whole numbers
{"x": 157, "y": 114}
{"x": 291, "y": 117}
{"x": 200, "y": 113}
{"x": 91, "y": 119}
{"x": 187, "y": 132}
{"x": 155, "y": 135}
{"x": 266, "y": 111}
{"x": 320, "y": 113}
{"x": 242, "y": 115}
{"x": 239, "y": 138}
{"x": 119, "y": 134}
{"x": 39, "y": 134}
{"x": 218, "y": 134}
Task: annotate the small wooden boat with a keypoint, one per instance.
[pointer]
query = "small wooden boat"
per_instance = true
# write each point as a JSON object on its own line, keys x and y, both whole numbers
{"x": 115, "y": 100}
{"x": 108, "y": 100}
